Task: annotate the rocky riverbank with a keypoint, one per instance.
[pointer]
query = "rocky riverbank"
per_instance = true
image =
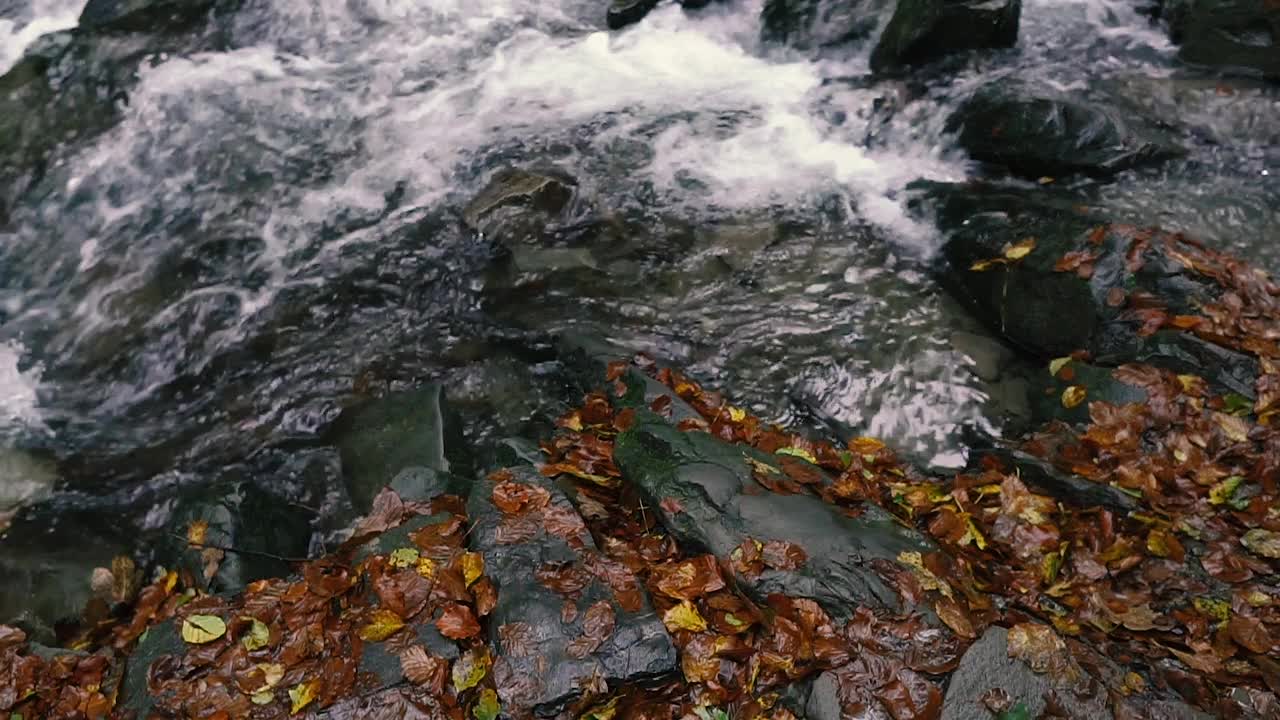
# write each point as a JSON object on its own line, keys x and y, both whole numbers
{"x": 664, "y": 552}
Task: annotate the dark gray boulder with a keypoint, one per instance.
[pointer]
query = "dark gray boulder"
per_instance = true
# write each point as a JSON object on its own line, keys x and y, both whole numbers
{"x": 148, "y": 15}
{"x": 553, "y": 636}
{"x": 261, "y": 528}
{"x": 1071, "y": 290}
{"x": 1037, "y": 132}
{"x": 1231, "y": 35}
{"x": 403, "y": 440}
{"x": 925, "y": 30}
{"x": 628, "y": 12}
{"x": 816, "y": 24}
{"x": 718, "y": 505}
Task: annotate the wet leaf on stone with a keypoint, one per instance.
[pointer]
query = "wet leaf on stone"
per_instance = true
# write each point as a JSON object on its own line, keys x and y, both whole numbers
{"x": 1073, "y": 395}
{"x": 201, "y": 629}
{"x": 599, "y": 620}
{"x": 457, "y": 622}
{"x": 782, "y": 555}
{"x": 486, "y": 707}
{"x": 687, "y": 580}
{"x": 1263, "y": 543}
{"x": 684, "y": 616}
{"x": 302, "y": 695}
{"x": 1021, "y": 249}
{"x": 257, "y": 636}
{"x": 404, "y": 557}
{"x": 799, "y": 452}
{"x": 471, "y": 668}
{"x": 513, "y": 497}
{"x": 424, "y": 669}
{"x": 382, "y": 625}
{"x": 1056, "y": 365}
{"x": 472, "y": 567}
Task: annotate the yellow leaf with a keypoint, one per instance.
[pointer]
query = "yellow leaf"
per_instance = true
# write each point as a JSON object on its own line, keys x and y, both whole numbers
{"x": 263, "y": 697}
{"x": 404, "y": 557}
{"x": 257, "y": 637}
{"x": 573, "y": 422}
{"x": 1158, "y": 543}
{"x": 1021, "y": 249}
{"x": 602, "y": 712}
{"x": 985, "y": 265}
{"x": 1224, "y": 491}
{"x": 472, "y": 567}
{"x": 1056, "y": 365}
{"x": 1263, "y": 543}
{"x": 972, "y": 534}
{"x": 737, "y": 414}
{"x": 302, "y": 695}
{"x": 470, "y": 669}
{"x": 762, "y": 467}
{"x": 684, "y": 616}
{"x": 197, "y": 531}
{"x": 487, "y": 707}
{"x": 382, "y": 625}
{"x": 201, "y": 629}
{"x": 797, "y": 452}
{"x": 1049, "y": 567}
{"x": 601, "y": 480}
{"x": 1218, "y": 610}
{"x": 426, "y": 567}
{"x": 924, "y": 576}
{"x": 170, "y": 581}
{"x": 866, "y": 445}
{"x": 272, "y": 673}
{"x": 1045, "y": 180}
{"x": 1235, "y": 428}
{"x": 1073, "y": 396}
{"x": 1190, "y": 383}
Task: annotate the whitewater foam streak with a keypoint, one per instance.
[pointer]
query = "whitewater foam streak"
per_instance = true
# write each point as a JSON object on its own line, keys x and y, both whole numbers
{"x": 44, "y": 16}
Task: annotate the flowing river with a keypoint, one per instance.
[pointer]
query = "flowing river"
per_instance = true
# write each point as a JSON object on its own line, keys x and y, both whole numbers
{"x": 195, "y": 293}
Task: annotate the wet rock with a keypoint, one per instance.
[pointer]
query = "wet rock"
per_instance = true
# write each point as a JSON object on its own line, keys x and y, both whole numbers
{"x": 549, "y": 643}
{"x": 1043, "y": 477}
{"x": 515, "y": 192}
{"x": 24, "y": 477}
{"x": 263, "y": 529}
{"x": 1036, "y": 132}
{"x": 1088, "y": 383}
{"x": 924, "y": 30}
{"x": 719, "y": 506}
{"x": 1233, "y": 35}
{"x": 987, "y": 666}
{"x": 1071, "y": 291}
{"x": 816, "y": 24}
{"x": 403, "y": 440}
{"x": 147, "y": 15}
{"x": 627, "y": 12}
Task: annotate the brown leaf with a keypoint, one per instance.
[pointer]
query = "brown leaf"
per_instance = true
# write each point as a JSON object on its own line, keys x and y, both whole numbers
{"x": 457, "y": 622}
{"x": 599, "y": 620}
{"x": 486, "y": 596}
{"x": 1250, "y": 634}
{"x": 955, "y": 617}
{"x": 423, "y": 669}
{"x": 513, "y": 497}
{"x": 781, "y": 555}
{"x": 386, "y": 513}
{"x": 517, "y": 640}
{"x": 687, "y": 580}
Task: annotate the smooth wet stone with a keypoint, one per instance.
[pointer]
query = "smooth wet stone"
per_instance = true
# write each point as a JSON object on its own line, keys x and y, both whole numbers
{"x": 628, "y": 12}
{"x": 542, "y": 662}
{"x": 1050, "y": 313}
{"x": 1042, "y": 477}
{"x": 1045, "y": 396}
{"x": 925, "y": 30}
{"x": 1232, "y": 35}
{"x": 545, "y": 192}
{"x": 24, "y": 477}
{"x": 401, "y": 440}
{"x": 1037, "y": 132}
{"x": 265, "y": 528}
{"x": 816, "y": 24}
{"x": 147, "y": 15}
{"x": 719, "y": 506}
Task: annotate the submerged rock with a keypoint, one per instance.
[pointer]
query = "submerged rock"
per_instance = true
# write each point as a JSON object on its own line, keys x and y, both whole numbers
{"x": 1036, "y": 132}
{"x": 627, "y": 12}
{"x": 561, "y": 617}
{"x": 705, "y": 494}
{"x": 814, "y": 24}
{"x": 516, "y": 198}
{"x": 403, "y": 440}
{"x": 924, "y": 30}
{"x": 1240, "y": 35}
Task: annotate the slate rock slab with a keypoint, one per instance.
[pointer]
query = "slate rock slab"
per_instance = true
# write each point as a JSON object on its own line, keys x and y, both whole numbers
{"x": 557, "y": 623}
{"x": 719, "y": 506}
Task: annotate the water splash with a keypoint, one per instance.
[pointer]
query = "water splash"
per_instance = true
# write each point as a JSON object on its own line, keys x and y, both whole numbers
{"x": 41, "y": 17}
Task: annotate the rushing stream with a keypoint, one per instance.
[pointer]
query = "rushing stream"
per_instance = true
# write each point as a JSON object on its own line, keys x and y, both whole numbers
{"x": 269, "y": 226}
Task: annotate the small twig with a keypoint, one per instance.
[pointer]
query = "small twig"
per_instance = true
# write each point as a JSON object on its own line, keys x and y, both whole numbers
{"x": 238, "y": 551}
